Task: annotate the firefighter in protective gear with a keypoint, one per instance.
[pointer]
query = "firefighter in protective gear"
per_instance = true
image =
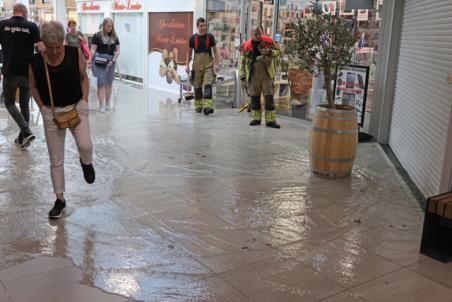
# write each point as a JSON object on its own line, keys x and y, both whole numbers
{"x": 205, "y": 64}
{"x": 257, "y": 72}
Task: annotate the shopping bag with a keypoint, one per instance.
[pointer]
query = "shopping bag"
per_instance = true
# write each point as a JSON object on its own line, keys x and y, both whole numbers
{"x": 85, "y": 49}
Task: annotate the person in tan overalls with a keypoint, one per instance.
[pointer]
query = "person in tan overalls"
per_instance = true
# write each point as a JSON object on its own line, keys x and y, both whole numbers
{"x": 257, "y": 72}
{"x": 205, "y": 64}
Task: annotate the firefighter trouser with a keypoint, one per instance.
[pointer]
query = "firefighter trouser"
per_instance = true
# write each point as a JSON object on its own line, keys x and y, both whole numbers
{"x": 202, "y": 80}
{"x": 261, "y": 83}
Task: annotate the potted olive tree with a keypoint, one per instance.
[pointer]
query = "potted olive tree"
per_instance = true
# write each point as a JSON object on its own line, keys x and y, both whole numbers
{"x": 321, "y": 44}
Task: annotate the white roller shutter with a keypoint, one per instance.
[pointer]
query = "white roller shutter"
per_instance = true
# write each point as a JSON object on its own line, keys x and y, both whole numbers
{"x": 422, "y": 104}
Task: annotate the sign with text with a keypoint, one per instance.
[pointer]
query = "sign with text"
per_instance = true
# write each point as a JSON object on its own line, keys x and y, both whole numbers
{"x": 350, "y": 88}
{"x": 90, "y": 6}
{"x": 169, "y": 33}
{"x": 363, "y": 15}
{"x": 127, "y": 5}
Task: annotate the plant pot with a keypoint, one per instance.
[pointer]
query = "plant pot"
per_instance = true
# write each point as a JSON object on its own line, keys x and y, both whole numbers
{"x": 300, "y": 81}
{"x": 333, "y": 141}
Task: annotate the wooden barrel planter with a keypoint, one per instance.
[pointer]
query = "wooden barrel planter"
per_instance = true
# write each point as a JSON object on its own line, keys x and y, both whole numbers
{"x": 333, "y": 141}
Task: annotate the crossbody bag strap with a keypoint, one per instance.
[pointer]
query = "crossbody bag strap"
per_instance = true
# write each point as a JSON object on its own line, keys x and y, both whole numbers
{"x": 49, "y": 85}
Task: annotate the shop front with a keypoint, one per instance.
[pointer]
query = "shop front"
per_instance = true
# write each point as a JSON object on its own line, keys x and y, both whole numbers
{"x": 297, "y": 93}
{"x": 128, "y": 17}
{"x": 129, "y": 25}
{"x": 90, "y": 15}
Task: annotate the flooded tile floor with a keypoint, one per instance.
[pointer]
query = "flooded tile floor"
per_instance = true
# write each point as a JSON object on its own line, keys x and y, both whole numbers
{"x": 193, "y": 208}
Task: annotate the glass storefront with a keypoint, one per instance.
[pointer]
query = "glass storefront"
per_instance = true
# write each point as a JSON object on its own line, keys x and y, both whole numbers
{"x": 224, "y": 23}
{"x": 295, "y": 90}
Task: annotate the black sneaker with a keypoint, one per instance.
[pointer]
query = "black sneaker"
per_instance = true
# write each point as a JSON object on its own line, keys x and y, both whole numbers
{"x": 88, "y": 172}
{"x": 57, "y": 210}
{"x": 208, "y": 111}
{"x": 18, "y": 140}
{"x": 27, "y": 138}
{"x": 255, "y": 122}
{"x": 273, "y": 125}
{"x": 199, "y": 110}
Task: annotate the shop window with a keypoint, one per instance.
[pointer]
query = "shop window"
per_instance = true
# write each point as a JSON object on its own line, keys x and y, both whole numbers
{"x": 223, "y": 17}
{"x": 306, "y": 91}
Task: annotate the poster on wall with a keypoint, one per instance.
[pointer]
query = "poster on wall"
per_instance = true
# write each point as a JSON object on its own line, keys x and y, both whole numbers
{"x": 350, "y": 88}
{"x": 329, "y": 7}
{"x": 363, "y": 15}
{"x": 169, "y": 34}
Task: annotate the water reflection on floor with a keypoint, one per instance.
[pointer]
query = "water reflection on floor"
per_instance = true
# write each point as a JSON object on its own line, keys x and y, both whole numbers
{"x": 193, "y": 208}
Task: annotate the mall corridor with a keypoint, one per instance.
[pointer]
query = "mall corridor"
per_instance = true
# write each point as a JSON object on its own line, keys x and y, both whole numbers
{"x": 193, "y": 208}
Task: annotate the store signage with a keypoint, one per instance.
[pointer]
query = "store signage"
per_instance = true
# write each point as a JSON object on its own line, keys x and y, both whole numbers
{"x": 169, "y": 33}
{"x": 350, "y": 88}
{"x": 90, "y": 6}
{"x": 127, "y": 5}
{"x": 329, "y": 7}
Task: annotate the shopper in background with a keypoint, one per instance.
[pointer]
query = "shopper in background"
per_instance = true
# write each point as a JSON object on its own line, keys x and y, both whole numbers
{"x": 204, "y": 65}
{"x": 68, "y": 91}
{"x": 257, "y": 72}
{"x": 75, "y": 38}
{"x": 18, "y": 38}
{"x": 105, "y": 50}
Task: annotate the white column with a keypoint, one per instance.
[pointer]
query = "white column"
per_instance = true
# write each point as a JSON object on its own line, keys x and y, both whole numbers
{"x": 59, "y": 11}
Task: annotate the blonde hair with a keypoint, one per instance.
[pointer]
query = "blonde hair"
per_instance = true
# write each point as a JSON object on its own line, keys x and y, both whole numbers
{"x": 103, "y": 32}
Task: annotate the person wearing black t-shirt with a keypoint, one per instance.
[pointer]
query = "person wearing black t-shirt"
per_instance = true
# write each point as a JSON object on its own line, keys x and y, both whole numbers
{"x": 59, "y": 84}
{"x": 204, "y": 65}
{"x": 105, "y": 52}
{"x": 18, "y": 38}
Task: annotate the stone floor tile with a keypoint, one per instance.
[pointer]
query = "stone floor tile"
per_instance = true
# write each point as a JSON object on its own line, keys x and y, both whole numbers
{"x": 434, "y": 270}
{"x": 347, "y": 263}
{"x": 34, "y": 266}
{"x": 281, "y": 281}
{"x": 236, "y": 260}
{"x": 58, "y": 285}
{"x": 3, "y": 294}
{"x": 404, "y": 286}
{"x": 399, "y": 246}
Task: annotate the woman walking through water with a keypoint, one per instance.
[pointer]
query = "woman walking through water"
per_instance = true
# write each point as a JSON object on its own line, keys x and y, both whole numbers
{"x": 59, "y": 85}
{"x": 105, "y": 50}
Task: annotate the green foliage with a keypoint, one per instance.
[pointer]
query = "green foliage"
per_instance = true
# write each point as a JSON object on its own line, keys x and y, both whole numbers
{"x": 321, "y": 44}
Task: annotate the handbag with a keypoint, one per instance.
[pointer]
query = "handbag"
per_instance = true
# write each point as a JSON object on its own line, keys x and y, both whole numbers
{"x": 101, "y": 61}
{"x": 69, "y": 119}
{"x": 85, "y": 49}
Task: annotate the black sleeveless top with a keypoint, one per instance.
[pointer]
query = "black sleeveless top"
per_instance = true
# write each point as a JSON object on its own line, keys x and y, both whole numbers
{"x": 65, "y": 79}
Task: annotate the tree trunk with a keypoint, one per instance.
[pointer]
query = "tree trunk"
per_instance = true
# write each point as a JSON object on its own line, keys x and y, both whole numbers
{"x": 328, "y": 88}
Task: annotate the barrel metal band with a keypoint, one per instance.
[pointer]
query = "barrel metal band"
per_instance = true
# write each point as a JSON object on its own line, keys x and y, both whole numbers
{"x": 334, "y": 131}
{"x": 334, "y": 160}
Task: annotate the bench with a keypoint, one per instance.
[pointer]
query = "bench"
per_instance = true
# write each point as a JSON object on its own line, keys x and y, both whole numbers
{"x": 437, "y": 234}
